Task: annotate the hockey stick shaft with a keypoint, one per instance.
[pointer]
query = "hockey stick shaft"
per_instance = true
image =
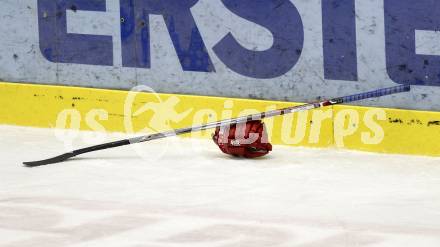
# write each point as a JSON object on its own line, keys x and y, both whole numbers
{"x": 258, "y": 116}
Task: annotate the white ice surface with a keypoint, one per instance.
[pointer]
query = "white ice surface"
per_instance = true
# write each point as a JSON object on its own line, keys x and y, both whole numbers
{"x": 192, "y": 195}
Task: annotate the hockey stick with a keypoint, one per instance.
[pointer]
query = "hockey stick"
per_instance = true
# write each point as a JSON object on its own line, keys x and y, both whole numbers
{"x": 150, "y": 137}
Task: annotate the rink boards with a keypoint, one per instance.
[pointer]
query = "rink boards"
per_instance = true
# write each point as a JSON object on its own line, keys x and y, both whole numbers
{"x": 287, "y": 50}
{"x": 361, "y": 128}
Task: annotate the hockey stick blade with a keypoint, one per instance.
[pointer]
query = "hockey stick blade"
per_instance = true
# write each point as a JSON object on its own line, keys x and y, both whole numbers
{"x": 57, "y": 159}
{"x": 74, "y": 153}
{"x": 257, "y": 116}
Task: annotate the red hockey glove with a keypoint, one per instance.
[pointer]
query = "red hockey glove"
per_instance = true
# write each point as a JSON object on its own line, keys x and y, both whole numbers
{"x": 247, "y": 140}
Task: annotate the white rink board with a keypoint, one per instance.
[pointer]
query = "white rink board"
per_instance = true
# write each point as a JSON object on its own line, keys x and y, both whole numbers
{"x": 22, "y": 60}
{"x": 196, "y": 196}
